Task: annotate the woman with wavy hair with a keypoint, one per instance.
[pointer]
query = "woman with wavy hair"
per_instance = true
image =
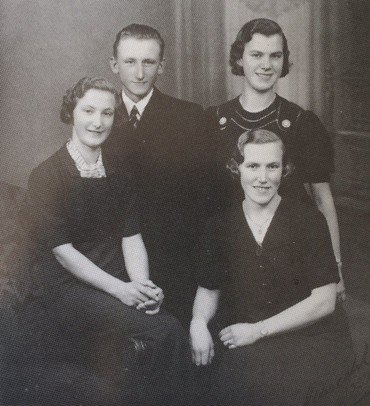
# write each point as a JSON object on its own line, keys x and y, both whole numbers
{"x": 265, "y": 308}
{"x": 92, "y": 266}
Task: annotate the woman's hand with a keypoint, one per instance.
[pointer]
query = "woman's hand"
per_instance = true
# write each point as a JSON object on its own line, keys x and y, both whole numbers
{"x": 134, "y": 293}
{"x": 239, "y": 334}
{"x": 201, "y": 343}
{"x": 152, "y": 306}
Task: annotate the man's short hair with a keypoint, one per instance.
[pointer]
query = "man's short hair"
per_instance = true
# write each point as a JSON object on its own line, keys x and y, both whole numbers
{"x": 262, "y": 26}
{"x": 139, "y": 31}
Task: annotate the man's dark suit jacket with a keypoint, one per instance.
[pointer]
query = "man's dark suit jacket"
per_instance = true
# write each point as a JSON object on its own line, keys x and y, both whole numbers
{"x": 166, "y": 153}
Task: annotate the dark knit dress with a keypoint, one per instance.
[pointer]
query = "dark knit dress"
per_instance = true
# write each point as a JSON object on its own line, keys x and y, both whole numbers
{"x": 94, "y": 214}
{"x": 296, "y": 257}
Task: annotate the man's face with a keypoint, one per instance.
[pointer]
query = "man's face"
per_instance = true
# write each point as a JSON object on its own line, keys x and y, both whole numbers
{"x": 138, "y": 64}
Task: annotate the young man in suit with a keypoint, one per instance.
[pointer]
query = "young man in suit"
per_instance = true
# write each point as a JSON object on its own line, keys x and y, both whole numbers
{"x": 160, "y": 137}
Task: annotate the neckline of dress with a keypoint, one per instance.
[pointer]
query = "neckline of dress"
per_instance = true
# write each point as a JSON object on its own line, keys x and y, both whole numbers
{"x": 270, "y": 223}
{"x": 259, "y": 114}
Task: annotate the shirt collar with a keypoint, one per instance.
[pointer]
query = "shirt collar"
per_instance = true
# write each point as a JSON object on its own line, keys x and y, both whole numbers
{"x": 95, "y": 170}
{"x": 140, "y": 105}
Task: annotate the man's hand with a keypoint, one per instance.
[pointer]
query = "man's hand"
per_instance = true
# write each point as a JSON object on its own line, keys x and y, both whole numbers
{"x": 201, "y": 343}
{"x": 152, "y": 306}
{"x": 341, "y": 289}
{"x": 134, "y": 293}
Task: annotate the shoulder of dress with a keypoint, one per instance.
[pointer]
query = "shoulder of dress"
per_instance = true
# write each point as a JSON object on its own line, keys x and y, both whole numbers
{"x": 47, "y": 175}
{"x": 222, "y": 113}
{"x": 303, "y": 214}
{"x": 289, "y": 113}
{"x": 226, "y": 109}
{"x": 51, "y": 162}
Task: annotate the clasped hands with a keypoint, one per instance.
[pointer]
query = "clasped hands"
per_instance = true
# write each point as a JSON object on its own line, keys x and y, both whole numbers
{"x": 232, "y": 336}
{"x": 144, "y": 295}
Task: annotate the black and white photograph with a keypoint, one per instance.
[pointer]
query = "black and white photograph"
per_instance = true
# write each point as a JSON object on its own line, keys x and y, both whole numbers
{"x": 185, "y": 203}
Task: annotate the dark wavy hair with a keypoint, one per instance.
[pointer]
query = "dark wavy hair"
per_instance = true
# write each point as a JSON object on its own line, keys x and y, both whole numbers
{"x": 257, "y": 136}
{"x": 139, "y": 31}
{"x": 262, "y": 26}
{"x": 77, "y": 91}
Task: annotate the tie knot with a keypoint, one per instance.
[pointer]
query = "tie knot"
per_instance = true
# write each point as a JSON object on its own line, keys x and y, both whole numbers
{"x": 134, "y": 116}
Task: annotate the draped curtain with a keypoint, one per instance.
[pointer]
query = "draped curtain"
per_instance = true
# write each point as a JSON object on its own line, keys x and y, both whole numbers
{"x": 199, "y": 51}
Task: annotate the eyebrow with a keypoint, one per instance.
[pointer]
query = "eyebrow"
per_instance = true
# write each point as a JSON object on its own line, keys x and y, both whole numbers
{"x": 94, "y": 107}
{"x": 261, "y": 52}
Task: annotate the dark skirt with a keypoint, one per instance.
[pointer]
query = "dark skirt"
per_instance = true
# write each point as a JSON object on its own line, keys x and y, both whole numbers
{"x": 298, "y": 368}
{"x": 100, "y": 328}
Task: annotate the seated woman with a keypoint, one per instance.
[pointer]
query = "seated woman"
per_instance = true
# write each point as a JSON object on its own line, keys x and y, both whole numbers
{"x": 92, "y": 267}
{"x": 268, "y": 267}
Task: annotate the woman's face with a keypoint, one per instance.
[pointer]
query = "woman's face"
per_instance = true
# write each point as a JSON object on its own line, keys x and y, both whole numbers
{"x": 261, "y": 172}
{"x": 93, "y": 118}
{"x": 262, "y": 62}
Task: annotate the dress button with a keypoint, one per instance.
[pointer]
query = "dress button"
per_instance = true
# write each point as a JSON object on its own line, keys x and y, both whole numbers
{"x": 262, "y": 267}
{"x": 269, "y": 302}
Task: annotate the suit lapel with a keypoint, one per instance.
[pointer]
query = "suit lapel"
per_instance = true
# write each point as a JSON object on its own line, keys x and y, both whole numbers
{"x": 153, "y": 110}
{"x": 121, "y": 114}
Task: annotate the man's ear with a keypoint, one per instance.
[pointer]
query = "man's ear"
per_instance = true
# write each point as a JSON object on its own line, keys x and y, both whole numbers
{"x": 113, "y": 64}
{"x": 161, "y": 66}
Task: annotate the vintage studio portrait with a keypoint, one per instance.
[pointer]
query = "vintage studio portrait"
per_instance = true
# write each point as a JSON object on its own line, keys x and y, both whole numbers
{"x": 185, "y": 203}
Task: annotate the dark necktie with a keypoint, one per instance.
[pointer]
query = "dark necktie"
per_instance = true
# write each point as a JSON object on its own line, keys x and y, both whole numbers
{"x": 134, "y": 117}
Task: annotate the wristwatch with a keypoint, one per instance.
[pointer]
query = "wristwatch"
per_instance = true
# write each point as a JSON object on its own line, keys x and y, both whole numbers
{"x": 263, "y": 330}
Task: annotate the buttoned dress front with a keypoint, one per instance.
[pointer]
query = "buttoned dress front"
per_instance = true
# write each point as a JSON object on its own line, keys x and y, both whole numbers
{"x": 257, "y": 283}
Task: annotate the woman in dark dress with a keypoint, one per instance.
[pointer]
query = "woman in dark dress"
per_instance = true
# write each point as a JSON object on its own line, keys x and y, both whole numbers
{"x": 267, "y": 265}
{"x": 92, "y": 266}
{"x": 260, "y": 54}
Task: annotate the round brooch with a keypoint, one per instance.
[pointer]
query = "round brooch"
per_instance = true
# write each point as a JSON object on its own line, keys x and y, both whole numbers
{"x": 223, "y": 120}
{"x": 286, "y": 123}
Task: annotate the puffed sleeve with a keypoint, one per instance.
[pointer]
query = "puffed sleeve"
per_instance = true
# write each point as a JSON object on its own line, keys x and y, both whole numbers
{"x": 211, "y": 259}
{"x": 320, "y": 264}
{"x": 317, "y": 155}
{"x": 47, "y": 222}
